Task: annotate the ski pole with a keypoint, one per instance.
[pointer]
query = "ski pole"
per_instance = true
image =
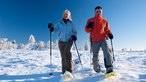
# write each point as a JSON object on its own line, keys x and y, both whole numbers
{"x": 112, "y": 49}
{"x": 51, "y": 73}
{"x": 78, "y": 54}
{"x": 90, "y": 59}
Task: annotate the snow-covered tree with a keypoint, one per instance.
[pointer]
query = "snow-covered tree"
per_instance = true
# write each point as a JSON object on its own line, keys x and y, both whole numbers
{"x": 31, "y": 39}
{"x": 5, "y": 44}
{"x": 53, "y": 44}
{"x": 31, "y": 44}
{"x": 41, "y": 44}
{"x": 14, "y": 42}
{"x": 48, "y": 44}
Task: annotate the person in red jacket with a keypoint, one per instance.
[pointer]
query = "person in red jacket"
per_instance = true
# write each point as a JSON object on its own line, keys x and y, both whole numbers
{"x": 99, "y": 32}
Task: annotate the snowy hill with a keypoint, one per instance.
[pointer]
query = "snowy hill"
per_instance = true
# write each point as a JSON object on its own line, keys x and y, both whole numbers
{"x": 34, "y": 66}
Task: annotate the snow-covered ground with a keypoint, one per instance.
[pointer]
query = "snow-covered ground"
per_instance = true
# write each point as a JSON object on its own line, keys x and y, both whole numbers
{"x": 34, "y": 66}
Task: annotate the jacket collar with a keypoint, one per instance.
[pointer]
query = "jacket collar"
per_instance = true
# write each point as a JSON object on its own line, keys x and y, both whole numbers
{"x": 62, "y": 21}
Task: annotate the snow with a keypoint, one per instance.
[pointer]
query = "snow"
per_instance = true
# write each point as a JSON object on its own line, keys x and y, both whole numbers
{"x": 34, "y": 66}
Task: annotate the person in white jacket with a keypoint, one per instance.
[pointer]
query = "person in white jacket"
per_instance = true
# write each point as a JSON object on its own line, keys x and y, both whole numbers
{"x": 66, "y": 35}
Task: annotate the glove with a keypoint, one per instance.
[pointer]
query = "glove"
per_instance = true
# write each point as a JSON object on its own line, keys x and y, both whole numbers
{"x": 50, "y": 27}
{"x": 110, "y": 35}
{"x": 74, "y": 38}
{"x": 90, "y": 25}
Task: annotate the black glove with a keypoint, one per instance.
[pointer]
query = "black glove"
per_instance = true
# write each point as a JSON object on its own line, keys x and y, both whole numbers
{"x": 110, "y": 35}
{"x": 74, "y": 38}
{"x": 90, "y": 24}
{"x": 50, "y": 27}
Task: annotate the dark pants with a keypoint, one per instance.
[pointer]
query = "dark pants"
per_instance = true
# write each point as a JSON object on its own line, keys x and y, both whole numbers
{"x": 66, "y": 56}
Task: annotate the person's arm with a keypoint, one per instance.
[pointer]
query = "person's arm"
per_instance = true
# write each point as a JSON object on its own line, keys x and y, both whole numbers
{"x": 56, "y": 28}
{"x": 89, "y": 26}
{"x": 74, "y": 31}
{"x": 108, "y": 31}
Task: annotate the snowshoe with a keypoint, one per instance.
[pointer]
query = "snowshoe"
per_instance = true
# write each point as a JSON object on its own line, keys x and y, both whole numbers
{"x": 67, "y": 76}
{"x": 111, "y": 74}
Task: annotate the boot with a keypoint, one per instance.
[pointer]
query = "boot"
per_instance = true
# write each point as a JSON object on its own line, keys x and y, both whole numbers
{"x": 97, "y": 69}
{"x": 109, "y": 70}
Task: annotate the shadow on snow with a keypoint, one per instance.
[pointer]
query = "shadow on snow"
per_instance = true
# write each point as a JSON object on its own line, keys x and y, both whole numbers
{"x": 44, "y": 77}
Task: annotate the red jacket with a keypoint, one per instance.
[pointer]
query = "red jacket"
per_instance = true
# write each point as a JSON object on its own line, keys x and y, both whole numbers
{"x": 100, "y": 30}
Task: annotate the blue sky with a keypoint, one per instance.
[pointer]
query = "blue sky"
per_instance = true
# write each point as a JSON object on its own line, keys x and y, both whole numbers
{"x": 127, "y": 19}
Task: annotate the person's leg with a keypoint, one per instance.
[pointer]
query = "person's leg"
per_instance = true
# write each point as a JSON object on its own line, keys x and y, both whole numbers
{"x": 95, "y": 46}
{"x": 63, "y": 57}
{"x": 107, "y": 56}
{"x": 69, "y": 63}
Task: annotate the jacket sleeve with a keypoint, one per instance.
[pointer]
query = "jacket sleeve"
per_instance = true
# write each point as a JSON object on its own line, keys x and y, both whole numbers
{"x": 107, "y": 28}
{"x": 56, "y": 28}
{"x": 74, "y": 31}
{"x": 87, "y": 29}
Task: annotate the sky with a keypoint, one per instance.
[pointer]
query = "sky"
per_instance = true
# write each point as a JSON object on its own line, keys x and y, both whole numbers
{"x": 21, "y": 18}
